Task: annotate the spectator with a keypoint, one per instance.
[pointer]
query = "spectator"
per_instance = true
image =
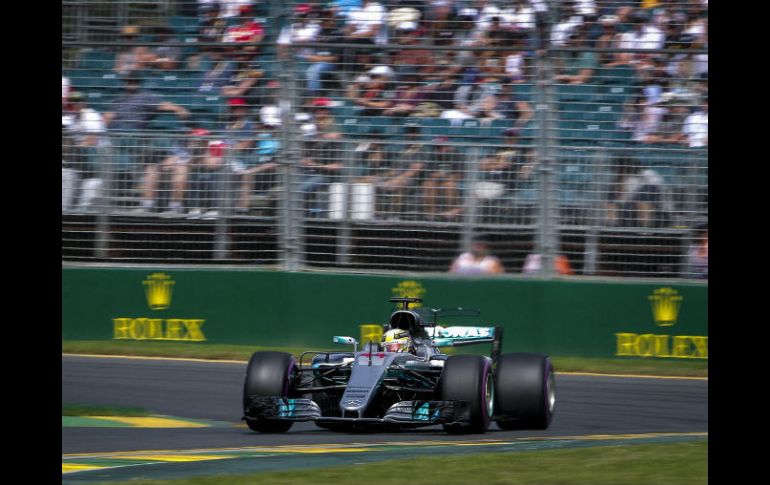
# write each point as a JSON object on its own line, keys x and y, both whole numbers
{"x": 696, "y": 126}
{"x": 171, "y": 162}
{"x": 65, "y": 89}
{"x": 642, "y": 35}
{"x": 248, "y": 32}
{"x": 533, "y": 265}
{"x": 307, "y": 28}
{"x": 220, "y": 73}
{"x": 240, "y": 131}
{"x": 137, "y": 107}
{"x": 244, "y": 77}
{"x": 440, "y": 189}
{"x": 206, "y": 163}
{"x": 607, "y": 40}
{"x": 514, "y": 107}
{"x": 369, "y": 92}
{"x": 408, "y": 164}
{"x": 407, "y": 97}
{"x": 642, "y": 119}
{"x": 166, "y": 56}
{"x": 377, "y": 167}
{"x": 577, "y": 67}
{"x": 131, "y": 57}
{"x": 698, "y": 254}
{"x": 323, "y": 61}
{"x": 365, "y": 25}
{"x": 258, "y": 175}
{"x": 320, "y": 166}
{"x": 212, "y": 26}
{"x": 568, "y": 21}
{"x": 477, "y": 261}
{"x": 637, "y": 197}
{"x": 81, "y": 139}
{"x": 499, "y": 171}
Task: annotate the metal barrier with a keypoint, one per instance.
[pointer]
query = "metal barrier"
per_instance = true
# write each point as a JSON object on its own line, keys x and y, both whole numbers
{"x": 572, "y": 140}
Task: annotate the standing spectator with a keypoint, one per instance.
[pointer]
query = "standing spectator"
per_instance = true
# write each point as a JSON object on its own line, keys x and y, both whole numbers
{"x": 696, "y": 126}
{"x": 698, "y": 255}
{"x": 477, "y": 261}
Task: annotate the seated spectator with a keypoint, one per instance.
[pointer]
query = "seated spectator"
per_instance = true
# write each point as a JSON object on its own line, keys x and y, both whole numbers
{"x": 240, "y": 131}
{"x": 131, "y": 57}
{"x": 607, "y": 39}
{"x": 324, "y": 61}
{"x": 306, "y": 29}
{"x": 642, "y": 119}
{"x": 220, "y": 73}
{"x": 513, "y": 107}
{"x": 500, "y": 170}
{"x": 212, "y": 26}
{"x": 636, "y": 199}
{"x": 207, "y": 159}
{"x": 81, "y": 139}
{"x": 696, "y": 126}
{"x": 477, "y": 261}
{"x": 441, "y": 191}
{"x": 258, "y": 175}
{"x": 643, "y": 35}
{"x": 533, "y": 265}
{"x": 698, "y": 254}
{"x": 167, "y": 55}
{"x": 320, "y": 166}
{"x": 364, "y": 25}
{"x": 406, "y": 98}
{"x": 369, "y": 92}
{"x": 408, "y": 162}
{"x": 569, "y": 19}
{"x": 577, "y": 67}
{"x": 385, "y": 171}
{"x": 172, "y": 162}
{"x": 244, "y": 78}
{"x": 248, "y": 32}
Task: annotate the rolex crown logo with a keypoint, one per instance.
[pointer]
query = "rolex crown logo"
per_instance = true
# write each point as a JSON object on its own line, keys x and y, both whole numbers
{"x": 409, "y": 289}
{"x": 665, "y": 306}
{"x": 158, "y": 288}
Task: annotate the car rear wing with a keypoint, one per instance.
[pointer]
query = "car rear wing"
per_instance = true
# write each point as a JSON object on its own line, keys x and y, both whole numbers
{"x": 457, "y": 336}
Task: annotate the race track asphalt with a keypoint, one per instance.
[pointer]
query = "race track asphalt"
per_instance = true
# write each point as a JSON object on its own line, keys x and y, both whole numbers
{"x": 586, "y": 405}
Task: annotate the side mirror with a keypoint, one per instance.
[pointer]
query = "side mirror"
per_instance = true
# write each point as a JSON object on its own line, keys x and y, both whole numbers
{"x": 337, "y": 339}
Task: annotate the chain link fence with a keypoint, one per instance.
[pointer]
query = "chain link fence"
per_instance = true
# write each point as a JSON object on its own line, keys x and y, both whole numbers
{"x": 568, "y": 137}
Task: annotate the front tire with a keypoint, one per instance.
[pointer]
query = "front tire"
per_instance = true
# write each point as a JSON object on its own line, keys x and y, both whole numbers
{"x": 526, "y": 391}
{"x": 268, "y": 374}
{"x": 469, "y": 378}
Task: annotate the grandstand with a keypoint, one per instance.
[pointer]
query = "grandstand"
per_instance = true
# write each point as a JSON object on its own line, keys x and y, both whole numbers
{"x": 386, "y": 135}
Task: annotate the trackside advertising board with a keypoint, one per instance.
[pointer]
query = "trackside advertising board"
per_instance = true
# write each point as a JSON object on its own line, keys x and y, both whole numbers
{"x": 565, "y": 318}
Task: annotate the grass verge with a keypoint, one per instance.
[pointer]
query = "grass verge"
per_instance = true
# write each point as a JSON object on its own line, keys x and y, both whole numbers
{"x": 92, "y": 410}
{"x": 680, "y": 463}
{"x": 637, "y": 366}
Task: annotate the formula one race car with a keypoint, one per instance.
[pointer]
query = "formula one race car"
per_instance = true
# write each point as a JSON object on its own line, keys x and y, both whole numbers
{"x": 403, "y": 381}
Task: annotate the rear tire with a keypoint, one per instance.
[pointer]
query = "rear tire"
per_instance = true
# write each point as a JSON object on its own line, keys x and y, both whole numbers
{"x": 268, "y": 374}
{"x": 526, "y": 391}
{"x": 469, "y": 378}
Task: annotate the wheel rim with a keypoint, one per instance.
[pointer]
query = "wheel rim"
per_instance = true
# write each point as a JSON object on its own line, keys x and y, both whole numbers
{"x": 489, "y": 395}
{"x": 551, "y": 391}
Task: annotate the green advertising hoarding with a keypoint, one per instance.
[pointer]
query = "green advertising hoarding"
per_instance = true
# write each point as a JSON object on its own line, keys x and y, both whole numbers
{"x": 562, "y": 317}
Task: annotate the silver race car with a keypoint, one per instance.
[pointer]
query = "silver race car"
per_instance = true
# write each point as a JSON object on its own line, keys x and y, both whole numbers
{"x": 403, "y": 381}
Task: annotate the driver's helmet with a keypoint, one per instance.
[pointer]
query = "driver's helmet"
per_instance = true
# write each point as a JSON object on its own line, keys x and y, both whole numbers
{"x": 397, "y": 341}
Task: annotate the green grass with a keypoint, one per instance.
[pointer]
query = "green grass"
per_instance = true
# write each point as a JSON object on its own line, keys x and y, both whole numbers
{"x": 91, "y": 410}
{"x": 640, "y": 366}
{"x": 677, "y": 464}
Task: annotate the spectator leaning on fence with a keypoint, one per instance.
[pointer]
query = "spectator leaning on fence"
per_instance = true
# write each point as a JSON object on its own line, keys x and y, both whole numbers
{"x": 477, "y": 261}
